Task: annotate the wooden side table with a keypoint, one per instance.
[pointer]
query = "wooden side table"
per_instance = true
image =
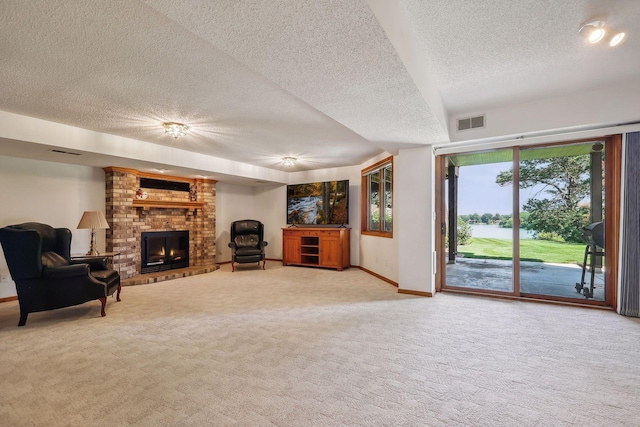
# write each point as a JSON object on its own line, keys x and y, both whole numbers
{"x": 108, "y": 256}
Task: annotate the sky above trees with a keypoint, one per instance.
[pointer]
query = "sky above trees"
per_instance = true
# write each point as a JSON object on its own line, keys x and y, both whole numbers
{"x": 479, "y": 193}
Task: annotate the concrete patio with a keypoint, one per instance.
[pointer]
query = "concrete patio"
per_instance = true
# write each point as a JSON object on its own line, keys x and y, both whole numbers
{"x": 535, "y": 277}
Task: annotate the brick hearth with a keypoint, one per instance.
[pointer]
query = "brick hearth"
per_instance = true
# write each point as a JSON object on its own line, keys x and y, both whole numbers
{"x": 162, "y": 210}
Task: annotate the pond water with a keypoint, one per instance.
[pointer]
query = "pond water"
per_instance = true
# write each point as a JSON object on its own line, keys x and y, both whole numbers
{"x": 495, "y": 232}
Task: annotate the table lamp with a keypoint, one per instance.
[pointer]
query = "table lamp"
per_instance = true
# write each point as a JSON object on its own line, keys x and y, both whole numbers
{"x": 93, "y": 220}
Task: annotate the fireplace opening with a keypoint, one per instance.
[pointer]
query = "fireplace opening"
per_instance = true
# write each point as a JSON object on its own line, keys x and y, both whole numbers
{"x": 164, "y": 250}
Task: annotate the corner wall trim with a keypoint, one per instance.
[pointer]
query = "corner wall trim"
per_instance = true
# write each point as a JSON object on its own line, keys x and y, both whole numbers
{"x": 7, "y": 299}
{"x": 418, "y": 293}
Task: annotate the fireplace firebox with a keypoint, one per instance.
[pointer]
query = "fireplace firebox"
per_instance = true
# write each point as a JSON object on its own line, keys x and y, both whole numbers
{"x": 164, "y": 250}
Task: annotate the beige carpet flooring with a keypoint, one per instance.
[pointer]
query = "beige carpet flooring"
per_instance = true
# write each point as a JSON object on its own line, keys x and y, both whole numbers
{"x": 293, "y": 346}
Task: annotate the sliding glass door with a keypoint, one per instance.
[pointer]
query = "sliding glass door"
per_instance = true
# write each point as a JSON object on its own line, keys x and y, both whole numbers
{"x": 564, "y": 209}
{"x": 479, "y": 240}
{"x": 542, "y": 238}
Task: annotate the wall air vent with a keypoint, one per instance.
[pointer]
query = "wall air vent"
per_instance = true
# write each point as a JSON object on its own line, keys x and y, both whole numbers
{"x": 66, "y": 152}
{"x": 470, "y": 123}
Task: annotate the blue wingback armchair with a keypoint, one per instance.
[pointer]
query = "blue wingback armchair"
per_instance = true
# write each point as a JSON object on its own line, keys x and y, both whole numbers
{"x": 39, "y": 260}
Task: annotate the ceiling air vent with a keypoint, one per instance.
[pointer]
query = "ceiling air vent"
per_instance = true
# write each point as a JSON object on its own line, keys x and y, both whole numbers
{"x": 65, "y": 152}
{"x": 471, "y": 123}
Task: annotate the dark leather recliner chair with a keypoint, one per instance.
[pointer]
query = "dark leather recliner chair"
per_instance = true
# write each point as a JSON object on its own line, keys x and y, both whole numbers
{"x": 247, "y": 242}
{"x": 46, "y": 277}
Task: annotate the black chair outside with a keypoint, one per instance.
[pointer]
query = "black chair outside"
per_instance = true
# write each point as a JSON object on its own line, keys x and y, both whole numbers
{"x": 247, "y": 242}
{"x": 46, "y": 278}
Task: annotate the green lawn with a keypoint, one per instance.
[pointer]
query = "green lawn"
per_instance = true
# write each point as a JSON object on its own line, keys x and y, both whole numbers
{"x": 530, "y": 250}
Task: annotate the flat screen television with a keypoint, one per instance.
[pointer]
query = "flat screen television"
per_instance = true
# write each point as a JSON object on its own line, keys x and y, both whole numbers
{"x": 318, "y": 203}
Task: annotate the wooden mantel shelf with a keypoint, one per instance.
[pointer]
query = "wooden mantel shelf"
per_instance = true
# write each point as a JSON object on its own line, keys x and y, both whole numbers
{"x": 166, "y": 204}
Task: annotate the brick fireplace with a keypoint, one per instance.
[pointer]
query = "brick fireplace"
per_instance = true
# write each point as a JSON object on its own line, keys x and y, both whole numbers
{"x": 160, "y": 210}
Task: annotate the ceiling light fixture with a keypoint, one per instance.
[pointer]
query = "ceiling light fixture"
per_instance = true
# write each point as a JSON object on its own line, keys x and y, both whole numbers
{"x": 595, "y": 31}
{"x": 175, "y": 129}
{"x": 289, "y": 161}
{"x": 617, "y": 39}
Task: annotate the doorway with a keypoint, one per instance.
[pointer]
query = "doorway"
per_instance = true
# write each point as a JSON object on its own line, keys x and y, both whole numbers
{"x": 546, "y": 237}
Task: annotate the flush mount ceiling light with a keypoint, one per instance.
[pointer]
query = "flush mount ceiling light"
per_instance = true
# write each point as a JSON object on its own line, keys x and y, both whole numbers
{"x": 595, "y": 31}
{"x": 289, "y": 161}
{"x": 175, "y": 129}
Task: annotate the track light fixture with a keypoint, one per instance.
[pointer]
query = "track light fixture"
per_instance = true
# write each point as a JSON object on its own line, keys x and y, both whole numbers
{"x": 595, "y": 31}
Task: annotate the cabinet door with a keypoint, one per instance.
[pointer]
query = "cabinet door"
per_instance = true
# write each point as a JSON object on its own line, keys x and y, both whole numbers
{"x": 291, "y": 252}
{"x": 330, "y": 253}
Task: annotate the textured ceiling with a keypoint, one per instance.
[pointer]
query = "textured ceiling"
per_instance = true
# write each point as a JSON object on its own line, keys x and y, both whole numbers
{"x": 122, "y": 68}
{"x": 318, "y": 80}
{"x": 332, "y": 54}
{"x": 494, "y": 53}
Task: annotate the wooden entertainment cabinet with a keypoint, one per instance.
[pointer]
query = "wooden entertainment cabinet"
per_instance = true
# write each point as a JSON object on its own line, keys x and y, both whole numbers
{"x": 316, "y": 247}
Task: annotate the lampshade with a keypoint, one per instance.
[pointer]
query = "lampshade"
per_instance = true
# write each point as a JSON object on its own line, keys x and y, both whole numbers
{"x": 93, "y": 220}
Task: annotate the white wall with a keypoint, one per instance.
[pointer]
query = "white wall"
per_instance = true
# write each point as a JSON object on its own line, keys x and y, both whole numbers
{"x": 233, "y": 202}
{"x": 271, "y": 210}
{"x": 266, "y": 204}
{"x": 58, "y": 194}
{"x": 380, "y": 254}
{"x": 583, "y": 110}
{"x": 52, "y": 193}
{"x": 414, "y": 192}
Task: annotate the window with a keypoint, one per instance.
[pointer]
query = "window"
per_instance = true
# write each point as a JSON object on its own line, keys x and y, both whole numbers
{"x": 377, "y": 199}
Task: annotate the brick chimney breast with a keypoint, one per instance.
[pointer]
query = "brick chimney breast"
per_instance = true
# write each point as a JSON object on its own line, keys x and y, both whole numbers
{"x": 129, "y": 215}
